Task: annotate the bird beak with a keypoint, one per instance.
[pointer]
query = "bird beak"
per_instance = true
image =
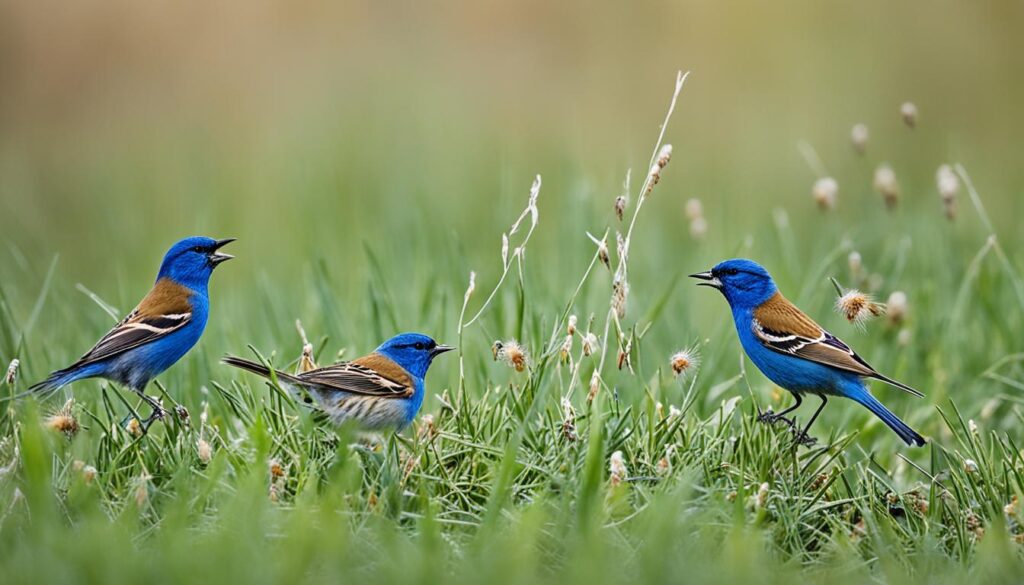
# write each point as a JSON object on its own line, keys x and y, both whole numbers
{"x": 708, "y": 278}
{"x": 217, "y": 257}
{"x": 441, "y": 348}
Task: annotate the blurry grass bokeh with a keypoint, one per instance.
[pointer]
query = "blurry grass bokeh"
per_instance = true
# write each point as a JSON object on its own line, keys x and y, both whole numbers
{"x": 369, "y": 156}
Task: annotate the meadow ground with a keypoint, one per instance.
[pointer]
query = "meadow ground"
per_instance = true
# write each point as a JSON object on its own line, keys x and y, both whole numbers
{"x": 597, "y": 464}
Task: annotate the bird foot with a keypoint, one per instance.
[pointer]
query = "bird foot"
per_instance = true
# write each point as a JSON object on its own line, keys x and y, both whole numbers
{"x": 803, "y": 439}
{"x": 770, "y": 418}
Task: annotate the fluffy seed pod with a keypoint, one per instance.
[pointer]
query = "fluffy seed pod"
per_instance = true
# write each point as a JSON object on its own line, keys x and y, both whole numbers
{"x": 896, "y": 307}
{"x": 908, "y": 111}
{"x": 857, "y": 307}
{"x": 887, "y": 185}
{"x": 825, "y": 192}
{"x": 617, "y": 468}
{"x": 859, "y": 137}
{"x": 949, "y": 186}
{"x": 12, "y": 372}
{"x": 683, "y": 361}
{"x": 204, "y": 451}
{"x": 856, "y": 264}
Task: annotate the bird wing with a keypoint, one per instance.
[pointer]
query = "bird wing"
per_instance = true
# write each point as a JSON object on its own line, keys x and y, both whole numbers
{"x": 373, "y": 375}
{"x": 163, "y": 311}
{"x": 780, "y": 326}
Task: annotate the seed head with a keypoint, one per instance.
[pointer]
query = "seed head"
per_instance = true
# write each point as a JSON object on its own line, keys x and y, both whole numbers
{"x": 504, "y": 249}
{"x": 887, "y": 185}
{"x": 471, "y": 287}
{"x": 602, "y": 250}
{"x": 949, "y": 185}
{"x": 306, "y": 362}
{"x": 1012, "y": 508}
{"x": 12, "y": 372}
{"x": 859, "y": 137}
{"x": 664, "y": 155}
{"x": 857, "y": 307}
{"x": 276, "y": 469}
{"x": 970, "y": 466}
{"x": 617, "y": 468}
{"x": 88, "y": 473}
{"x": 662, "y": 467}
{"x": 908, "y": 111}
{"x": 694, "y": 209}
{"x": 896, "y": 307}
{"x": 856, "y": 265}
{"x": 620, "y": 292}
{"x": 595, "y": 386}
{"x": 825, "y": 192}
{"x": 590, "y": 344}
{"x": 571, "y": 327}
{"x": 204, "y": 450}
{"x": 426, "y": 429}
{"x": 511, "y": 353}
{"x": 683, "y": 361}
{"x": 762, "y": 495}
{"x": 620, "y": 206}
{"x": 64, "y": 420}
{"x": 674, "y": 412}
{"x": 565, "y": 353}
{"x": 134, "y": 427}
{"x": 623, "y": 359}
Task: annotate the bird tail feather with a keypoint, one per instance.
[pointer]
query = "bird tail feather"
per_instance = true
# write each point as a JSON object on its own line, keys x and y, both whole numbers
{"x": 54, "y": 382}
{"x": 289, "y": 382}
{"x": 909, "y": 435}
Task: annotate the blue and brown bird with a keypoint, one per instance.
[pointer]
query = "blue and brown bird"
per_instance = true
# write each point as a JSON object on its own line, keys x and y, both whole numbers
{"x": 378, "y": 392}
{"x": 159, "y": 331}
{"x": 795, "y": 352}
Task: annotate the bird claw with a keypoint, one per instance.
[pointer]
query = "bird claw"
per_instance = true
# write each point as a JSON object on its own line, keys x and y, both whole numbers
{"x": 770, "y": 418}
{"x": 803, "y": 439}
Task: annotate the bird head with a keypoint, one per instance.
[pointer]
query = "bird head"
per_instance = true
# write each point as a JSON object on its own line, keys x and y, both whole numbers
{"x": 191, "y": 261}
{"x": 412, "y": 351}
{"x": 745, "y": 283}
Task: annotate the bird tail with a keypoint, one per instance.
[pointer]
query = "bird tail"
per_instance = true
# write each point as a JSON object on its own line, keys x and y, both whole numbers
{"x": 288, "y": 381}
{"x": 55, "y": 382}
{"x": 909, "y": 435}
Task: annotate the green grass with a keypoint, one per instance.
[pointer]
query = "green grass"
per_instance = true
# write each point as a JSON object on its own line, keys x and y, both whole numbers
{"x": 505, "y": 483}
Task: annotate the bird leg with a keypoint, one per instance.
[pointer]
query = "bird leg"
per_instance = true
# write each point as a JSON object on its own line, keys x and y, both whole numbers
{"x": 769, "y": 417}
{"x": 802, "y": 438}
{"x": 158, "y": 413}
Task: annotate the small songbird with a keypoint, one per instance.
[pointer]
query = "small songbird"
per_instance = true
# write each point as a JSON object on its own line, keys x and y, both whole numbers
{"x": 159, "y": 331}
{"x": 379, "y": 392}
{"x": 795, "y": 352}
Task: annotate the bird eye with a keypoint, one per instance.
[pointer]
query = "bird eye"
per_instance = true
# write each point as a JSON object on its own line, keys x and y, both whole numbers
{"x": 198, "y": 249}
{"x": 418, "y": 345}
{"x": 732, "y": 272}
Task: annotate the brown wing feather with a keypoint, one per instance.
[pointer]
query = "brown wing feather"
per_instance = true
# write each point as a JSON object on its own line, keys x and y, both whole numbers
{"x": 780, "y": 315}
{"x": 164, "y": 310}
{"x": 371, "y": 375}
{"x": 781, "y": 326}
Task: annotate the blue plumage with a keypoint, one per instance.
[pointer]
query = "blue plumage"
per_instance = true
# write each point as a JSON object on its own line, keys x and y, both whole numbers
{"x": 792, "y": 350}
{"x": 159, "y": 331}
